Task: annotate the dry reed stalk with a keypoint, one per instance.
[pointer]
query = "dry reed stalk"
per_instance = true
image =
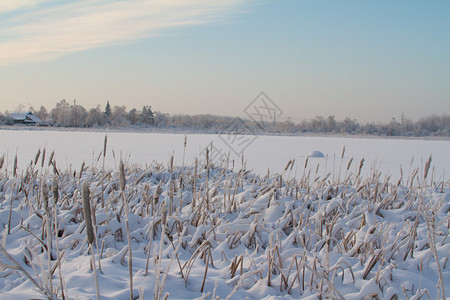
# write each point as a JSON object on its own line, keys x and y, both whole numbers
{"x": 15, "y": 166}
{"x": 361, "y": 164}
{"x": 50, "y": 159}
{"x": 105, "y": 142}
{"x": 198, "y": 252}
{"x": 89, "y": 229}
{"x": 143, "y": 175}
{"x": 2, "y": 161}
{"x": 174, "y": 253}
{"x": 97, "y": 290}
{"x": 300, "y": 268}
{"x": 81, "y": 170}
{"x": 122, "y": 181}
{"x": 43, "y": 158}
{"x": 430, "y": 222}
{"x": 36, "y": 157}
{"x": 182, "y": 174}
{"x": 208, "y": 259}
{"x": 156, "y": 291}
{"x": 194, "y": 185}
{"x": 48, "y": 221}
{"x": 39, "y": 240}
{"x": 16, "y": 266}
{"x": 55, "y": 209}
{"x": 372, "y": 262}
{"x": 269, "y": 271}
{"x": 427, "y": 168}
{"x": 235, "y": 264}
{"x": 207, "y": 178}
{"x": 10, "y": 214}
{"x": 340, "y": 167}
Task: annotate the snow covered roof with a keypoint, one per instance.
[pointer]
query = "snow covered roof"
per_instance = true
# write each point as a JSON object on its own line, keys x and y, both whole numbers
{"x": 26, "y": 117}
{"x": 18, "y": 116}
{"x": 33, "y": 118}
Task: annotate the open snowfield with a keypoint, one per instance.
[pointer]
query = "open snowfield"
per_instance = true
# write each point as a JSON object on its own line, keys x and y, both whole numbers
{"x": 347, "y": 229}
{"x": 72, "y": 148}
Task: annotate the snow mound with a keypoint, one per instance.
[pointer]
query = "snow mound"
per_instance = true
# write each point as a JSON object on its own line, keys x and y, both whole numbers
{"x": 315, "y": 154}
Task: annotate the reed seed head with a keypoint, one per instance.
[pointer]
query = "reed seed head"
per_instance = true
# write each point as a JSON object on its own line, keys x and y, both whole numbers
{"x": 122, "y": 175}
{"x": 36, "y": 158}
{"x": 87, "y": 212}
{"x": 427, "y": 167}
{"x": 157, "y": 194}
{"x": 55, "y": 190}
{"x": 44, "y": 193}
{"x": 104, "y": 145}
{"x": 43, "y": 158}
{"x": 15, "y": 166}
{"x": 50, "y": 160}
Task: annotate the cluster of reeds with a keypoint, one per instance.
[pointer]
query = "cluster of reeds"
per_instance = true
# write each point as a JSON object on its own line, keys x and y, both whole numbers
{"x": 302, "y": 236}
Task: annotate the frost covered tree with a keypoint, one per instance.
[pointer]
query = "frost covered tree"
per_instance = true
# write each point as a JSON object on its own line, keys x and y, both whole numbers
{"x": 108, "y": 109}
{"x": 133, "y": 116}
{"x": 119, "y": 116}
{"x": 96, "y": 118}
{"x": 42, "y": 113}
{"x": 67, "y": 115}
{"x": 147, "y": 116}
{"x": 60, "y": 115}
{"x": 78, "y": 116}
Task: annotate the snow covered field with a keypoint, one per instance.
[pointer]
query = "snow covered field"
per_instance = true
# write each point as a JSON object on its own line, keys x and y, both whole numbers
{"x": 213, "y": 230}
{"x": 262, "y": 153}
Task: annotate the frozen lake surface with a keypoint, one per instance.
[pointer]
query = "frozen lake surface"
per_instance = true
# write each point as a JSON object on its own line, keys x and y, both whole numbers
{"x": 260, "y": 152}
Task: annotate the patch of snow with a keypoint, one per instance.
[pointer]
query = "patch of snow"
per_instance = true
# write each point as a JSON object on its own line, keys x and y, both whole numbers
{"x": 315, "y": 154}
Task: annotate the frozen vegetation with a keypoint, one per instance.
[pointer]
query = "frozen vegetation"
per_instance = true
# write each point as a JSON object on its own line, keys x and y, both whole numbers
{"x": 65, "y": 114}
{"x": 211, "y": 229}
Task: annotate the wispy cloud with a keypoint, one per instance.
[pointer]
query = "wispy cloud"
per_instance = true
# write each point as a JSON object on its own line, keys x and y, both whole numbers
{"x": 32, "y": 30}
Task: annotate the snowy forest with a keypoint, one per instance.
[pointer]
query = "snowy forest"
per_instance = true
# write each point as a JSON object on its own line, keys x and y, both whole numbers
{"x": 65, "y": 114}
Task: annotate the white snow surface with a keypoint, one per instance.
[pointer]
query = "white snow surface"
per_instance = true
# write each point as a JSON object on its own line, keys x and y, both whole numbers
{"x": 220, "y": 230}
{"x": 261, "y": 153}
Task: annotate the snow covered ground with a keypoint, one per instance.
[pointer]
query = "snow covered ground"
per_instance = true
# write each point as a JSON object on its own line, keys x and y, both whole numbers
{"x": 260, "y": 152}
{"x": 218, "y": 230}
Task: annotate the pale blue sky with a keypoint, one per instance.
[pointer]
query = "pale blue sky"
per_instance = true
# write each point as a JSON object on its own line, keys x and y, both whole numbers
{"x": 369, "y": 60}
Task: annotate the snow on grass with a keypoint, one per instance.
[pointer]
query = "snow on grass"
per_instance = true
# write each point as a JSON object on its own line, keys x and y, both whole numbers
{"x": 231, "y": 234}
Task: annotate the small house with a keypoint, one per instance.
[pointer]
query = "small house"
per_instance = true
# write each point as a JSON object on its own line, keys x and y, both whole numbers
{"x": 24, "y": 118}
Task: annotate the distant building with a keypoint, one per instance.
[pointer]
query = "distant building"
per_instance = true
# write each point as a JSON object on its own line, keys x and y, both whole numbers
{"x": 24, "y": 118}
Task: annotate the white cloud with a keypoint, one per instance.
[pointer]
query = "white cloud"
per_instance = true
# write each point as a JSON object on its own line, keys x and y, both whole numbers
{"x": 39, "y": 30}
{"x": 11, "y": 5}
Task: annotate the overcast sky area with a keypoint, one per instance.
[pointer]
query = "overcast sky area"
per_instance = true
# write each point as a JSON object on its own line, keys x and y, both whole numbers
{"x": 369, "y": 60}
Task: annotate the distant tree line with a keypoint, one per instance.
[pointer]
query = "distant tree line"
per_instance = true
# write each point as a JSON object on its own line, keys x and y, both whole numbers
{"x": 428, "y": 126}
{"x": 68, "y": 115}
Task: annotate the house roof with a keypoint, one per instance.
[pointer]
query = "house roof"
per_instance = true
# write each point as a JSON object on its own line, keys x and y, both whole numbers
{"x": 26, "y": 117}
{"x": 19, "y": 116}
